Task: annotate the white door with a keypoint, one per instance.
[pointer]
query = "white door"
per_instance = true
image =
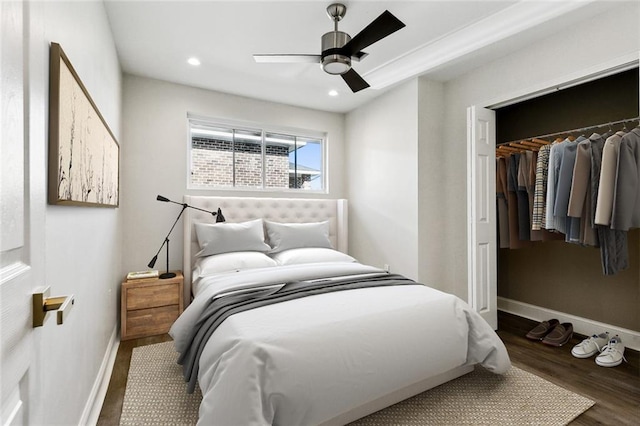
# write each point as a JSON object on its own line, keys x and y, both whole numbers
{"x": 22, "y": 209}
{"x": 481, "y": 202}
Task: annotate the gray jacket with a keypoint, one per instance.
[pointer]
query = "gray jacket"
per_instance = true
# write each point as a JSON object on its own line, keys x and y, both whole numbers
{"x": 626, "y": 199}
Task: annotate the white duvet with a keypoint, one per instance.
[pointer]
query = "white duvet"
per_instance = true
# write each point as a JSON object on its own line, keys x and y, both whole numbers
{"x": 306, "y": 361}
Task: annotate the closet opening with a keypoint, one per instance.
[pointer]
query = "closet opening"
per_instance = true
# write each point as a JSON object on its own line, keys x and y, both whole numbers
{"x": 541, "y": 268}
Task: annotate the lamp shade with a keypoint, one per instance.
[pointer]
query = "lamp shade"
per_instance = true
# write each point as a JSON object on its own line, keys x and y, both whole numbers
{"x": 219, "y": 216}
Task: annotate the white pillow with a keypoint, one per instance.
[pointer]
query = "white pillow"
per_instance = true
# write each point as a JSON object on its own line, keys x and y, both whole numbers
{"x": 310, "y": 255}
{"x": 285, "y": 236}
{"x": 236, "y": 261}
{"x": 229, "y": 237}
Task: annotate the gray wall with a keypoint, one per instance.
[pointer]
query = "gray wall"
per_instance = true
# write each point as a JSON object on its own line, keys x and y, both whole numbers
{"x": 382, "y": 180}
{"x": 431, "y": 236}
{"x": 154, "y": 158}
{"x": 394, "y": 161}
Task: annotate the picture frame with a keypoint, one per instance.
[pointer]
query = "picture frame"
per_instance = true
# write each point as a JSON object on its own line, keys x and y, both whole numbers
{"x": 84, "y": 155}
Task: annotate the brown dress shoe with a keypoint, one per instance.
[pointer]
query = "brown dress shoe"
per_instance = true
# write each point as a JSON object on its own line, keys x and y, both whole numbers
{"x": 542, "y": 329}
{"x": 560, "y": 334}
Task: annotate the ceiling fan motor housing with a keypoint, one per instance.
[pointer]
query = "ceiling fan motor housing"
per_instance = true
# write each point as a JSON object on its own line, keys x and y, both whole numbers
{"x": 334, "y": 61}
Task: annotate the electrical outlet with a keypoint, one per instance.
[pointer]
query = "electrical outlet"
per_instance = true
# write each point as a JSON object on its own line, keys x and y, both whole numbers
{"x": 386, "y": 267}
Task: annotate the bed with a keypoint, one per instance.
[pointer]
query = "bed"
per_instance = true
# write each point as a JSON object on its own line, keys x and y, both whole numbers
{"x": 315, "y": 338}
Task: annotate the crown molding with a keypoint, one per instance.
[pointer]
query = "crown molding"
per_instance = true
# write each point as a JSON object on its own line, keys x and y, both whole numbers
{"x": 499, "y": 26}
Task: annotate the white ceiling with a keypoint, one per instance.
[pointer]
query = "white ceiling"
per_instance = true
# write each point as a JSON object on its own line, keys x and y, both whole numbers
{"x": 441, "y": 38}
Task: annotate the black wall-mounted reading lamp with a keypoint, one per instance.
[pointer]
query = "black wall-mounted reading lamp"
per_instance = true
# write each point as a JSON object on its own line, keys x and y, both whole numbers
{"x": 219, "y": 218}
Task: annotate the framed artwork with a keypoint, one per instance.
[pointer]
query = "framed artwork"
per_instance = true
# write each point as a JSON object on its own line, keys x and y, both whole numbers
{"x": 83, "y": 153}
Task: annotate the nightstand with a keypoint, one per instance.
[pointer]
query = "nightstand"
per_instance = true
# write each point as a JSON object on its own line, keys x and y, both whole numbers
{"x": 150, "y": 307}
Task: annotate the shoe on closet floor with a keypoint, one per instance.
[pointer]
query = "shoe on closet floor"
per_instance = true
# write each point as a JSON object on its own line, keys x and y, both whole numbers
{"x": 560, "y": 334}
{"x": 612, "y": 354}
{"x": 542, "y": 329}
{"x": 591, "y": 346}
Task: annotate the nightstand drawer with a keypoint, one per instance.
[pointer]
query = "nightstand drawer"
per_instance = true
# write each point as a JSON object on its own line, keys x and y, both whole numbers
{"x": 153, "y": 296}
{"x": 148, "y": 322}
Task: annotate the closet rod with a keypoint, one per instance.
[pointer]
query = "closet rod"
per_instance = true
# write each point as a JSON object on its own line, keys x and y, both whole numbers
{"x": 582, "y": 129}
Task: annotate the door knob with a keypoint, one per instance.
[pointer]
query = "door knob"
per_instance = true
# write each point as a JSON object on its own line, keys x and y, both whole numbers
{"x": 42, "y": 304}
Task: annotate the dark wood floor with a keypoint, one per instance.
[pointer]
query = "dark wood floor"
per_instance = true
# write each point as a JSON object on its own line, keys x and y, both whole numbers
{"x": 112, "y": 406}
{"x": 616, "y": 390}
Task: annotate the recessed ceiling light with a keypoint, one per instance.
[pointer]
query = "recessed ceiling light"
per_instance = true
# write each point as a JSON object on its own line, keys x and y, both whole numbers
{"x": 333, "y": 93}
{"x": 194, "y": 61}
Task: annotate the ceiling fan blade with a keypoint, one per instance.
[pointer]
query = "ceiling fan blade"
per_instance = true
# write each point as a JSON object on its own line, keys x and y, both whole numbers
{"x": 287, "y": 58}
{"x": 354, "y": 81}
{"x": 379, "y": 28}
{"x": 358, "y": 56}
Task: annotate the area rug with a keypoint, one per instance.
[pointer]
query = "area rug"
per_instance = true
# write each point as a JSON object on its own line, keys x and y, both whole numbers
{"x": 156, "y": 395}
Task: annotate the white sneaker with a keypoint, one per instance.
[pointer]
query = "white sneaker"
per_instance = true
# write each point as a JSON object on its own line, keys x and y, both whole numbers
{"x": 591, "y": 346}
{"x": 612, "y": 354}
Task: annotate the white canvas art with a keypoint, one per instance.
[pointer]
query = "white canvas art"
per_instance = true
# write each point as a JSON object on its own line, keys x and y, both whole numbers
{"x": 82, "y": 148}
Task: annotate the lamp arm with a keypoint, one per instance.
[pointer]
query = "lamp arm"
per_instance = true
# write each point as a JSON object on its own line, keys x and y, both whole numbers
{"x": 184, "y": 206}
{"x": 166, "y": 239}
{"x": 202, "y": 210}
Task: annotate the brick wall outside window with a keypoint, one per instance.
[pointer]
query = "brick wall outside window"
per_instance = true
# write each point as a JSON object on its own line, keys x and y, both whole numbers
{"x": 212, "y": 164}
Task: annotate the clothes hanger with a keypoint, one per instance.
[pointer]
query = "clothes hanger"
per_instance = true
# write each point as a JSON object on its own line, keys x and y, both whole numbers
{"x": 519, "y": 145}
{"x": 508, "y": 150}
{"x": 540, "y": 141}
{"x": 531, "y": 146}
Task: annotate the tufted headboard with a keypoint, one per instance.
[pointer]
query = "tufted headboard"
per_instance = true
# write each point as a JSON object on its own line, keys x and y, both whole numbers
{"x": 240, "y": 209}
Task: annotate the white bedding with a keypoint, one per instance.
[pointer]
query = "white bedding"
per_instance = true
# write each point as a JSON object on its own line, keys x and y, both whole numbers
{"x": 309, "y": 360}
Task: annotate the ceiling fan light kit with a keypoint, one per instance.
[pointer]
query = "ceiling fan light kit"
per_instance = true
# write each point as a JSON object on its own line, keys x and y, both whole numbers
{"x": 334, "y": 60}
{"x": 339, "y": 49}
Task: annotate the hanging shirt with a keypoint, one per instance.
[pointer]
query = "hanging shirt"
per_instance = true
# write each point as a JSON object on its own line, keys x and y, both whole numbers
{"x": 614, "y": 252}
{"x": 580, "y": 197}
{"x": 569, "y": 226}
{"x": 512, "y": 202}
{"x": 596, "y": 164}
{"x": 536, "y": 235}
{"x": 524, "y": 222}
{"x": 540, "y": 190}
{"x": 581, "y": 176}
{"x": 501, "y": 200}
{"x": 606, "y": 187}
{"x": 626, "y": 200}
{"x": 552, "y": 174}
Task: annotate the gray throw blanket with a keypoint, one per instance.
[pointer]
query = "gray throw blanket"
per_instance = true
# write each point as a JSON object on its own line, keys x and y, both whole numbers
{"x": 220, "y": 308}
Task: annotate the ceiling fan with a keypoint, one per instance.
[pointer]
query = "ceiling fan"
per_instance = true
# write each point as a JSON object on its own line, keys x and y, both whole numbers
{"x": 339, "y": 49}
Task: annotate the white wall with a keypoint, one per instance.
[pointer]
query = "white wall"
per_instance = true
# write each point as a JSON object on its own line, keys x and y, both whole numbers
{"x": 382, "y": 180}
{"x": 580, "y": 49}
{"x": 82, "y": 244}
{"x": 154, "y": 158}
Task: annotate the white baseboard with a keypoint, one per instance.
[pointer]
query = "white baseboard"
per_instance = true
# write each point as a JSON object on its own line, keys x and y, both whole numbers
{"x": 94, "y": 403}
{"x": 630, "y": 338}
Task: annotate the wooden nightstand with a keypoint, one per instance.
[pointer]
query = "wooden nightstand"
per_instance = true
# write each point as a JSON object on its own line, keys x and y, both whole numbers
{"x": 150, "y": 307}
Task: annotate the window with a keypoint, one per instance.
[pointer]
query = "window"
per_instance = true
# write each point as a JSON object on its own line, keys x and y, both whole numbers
{"x": 233, "y": 157}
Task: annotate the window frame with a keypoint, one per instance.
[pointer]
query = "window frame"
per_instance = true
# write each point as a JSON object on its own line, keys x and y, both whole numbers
{"x": 237, "y": 125}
